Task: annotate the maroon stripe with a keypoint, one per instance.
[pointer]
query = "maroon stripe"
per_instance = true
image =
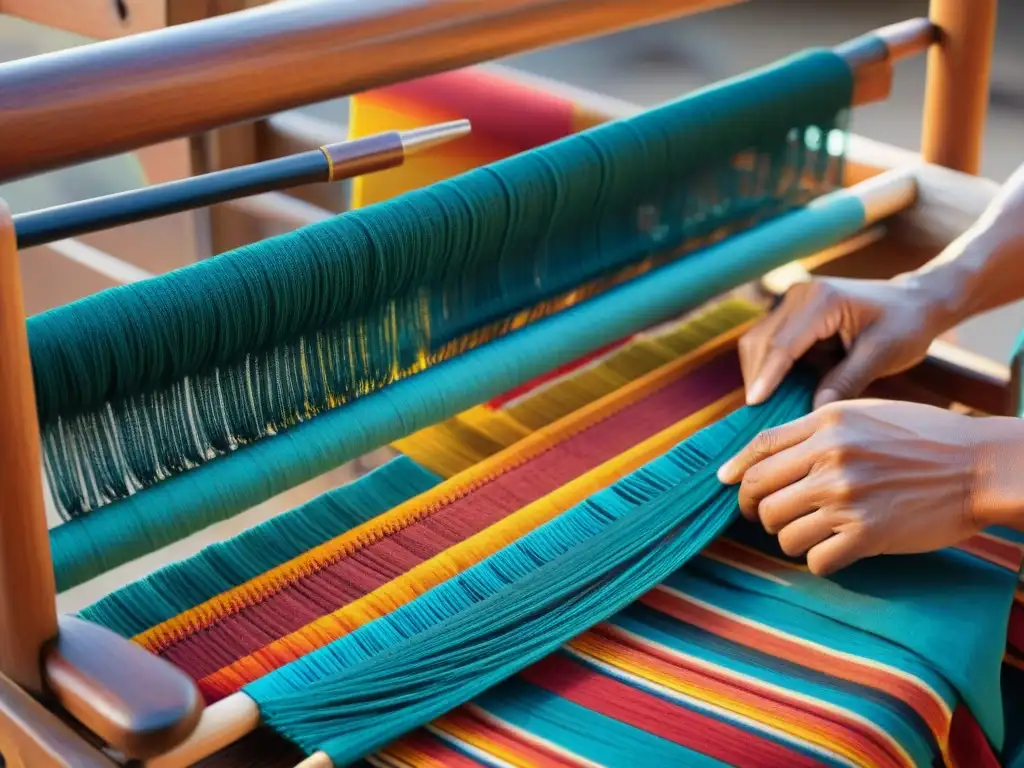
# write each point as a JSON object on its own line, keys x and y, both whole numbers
{"x": 689, "y": 728}
{"x": 329, "y": 589}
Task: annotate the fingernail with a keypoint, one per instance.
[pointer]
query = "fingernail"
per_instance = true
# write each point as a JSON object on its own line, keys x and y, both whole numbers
{"x": 757, "y": 392}
{"x": 726, "y": 472}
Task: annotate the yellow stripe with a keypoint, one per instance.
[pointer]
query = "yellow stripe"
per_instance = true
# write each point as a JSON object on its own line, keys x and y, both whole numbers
{"x": 463, "y": 555}
{"x": 274, "y": 580}
{"x": 591, "y": 646}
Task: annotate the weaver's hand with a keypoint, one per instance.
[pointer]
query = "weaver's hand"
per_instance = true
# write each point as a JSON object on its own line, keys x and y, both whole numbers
{"x": 864, "y": 478}
{"x": 886, "y": 327}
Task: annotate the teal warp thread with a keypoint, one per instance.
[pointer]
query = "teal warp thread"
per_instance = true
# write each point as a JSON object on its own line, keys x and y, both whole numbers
{"x": 515, "y": 607}
{"x": 219, "y": 567}
{"x": 183, "y": 504}
{"x": 151, "y": 380}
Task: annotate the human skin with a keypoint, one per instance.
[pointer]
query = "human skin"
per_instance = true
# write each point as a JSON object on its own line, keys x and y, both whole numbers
{"x": 859, "y": 478}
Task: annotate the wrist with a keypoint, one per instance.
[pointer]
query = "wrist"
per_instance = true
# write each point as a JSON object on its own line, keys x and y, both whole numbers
{"x": 942, "y": 294}
{"x": 996, "y": 493}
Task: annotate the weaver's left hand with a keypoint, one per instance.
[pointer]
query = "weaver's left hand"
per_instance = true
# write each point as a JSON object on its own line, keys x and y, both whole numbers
{"x": 862, "y": 478}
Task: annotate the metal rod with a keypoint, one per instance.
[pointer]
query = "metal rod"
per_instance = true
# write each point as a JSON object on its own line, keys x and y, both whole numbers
{"x": 332, "y": 162}
{"x": 116, "y": 96}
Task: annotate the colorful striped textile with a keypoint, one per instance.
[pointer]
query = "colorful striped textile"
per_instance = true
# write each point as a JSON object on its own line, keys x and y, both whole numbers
{"x": 721, "y": 665}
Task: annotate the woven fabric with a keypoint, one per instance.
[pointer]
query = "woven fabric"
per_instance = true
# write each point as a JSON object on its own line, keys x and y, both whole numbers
{"x": 753, "y": 674}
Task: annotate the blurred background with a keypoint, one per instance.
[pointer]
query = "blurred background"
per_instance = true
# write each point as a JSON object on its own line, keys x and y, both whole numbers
{"x": 658, "y": 63}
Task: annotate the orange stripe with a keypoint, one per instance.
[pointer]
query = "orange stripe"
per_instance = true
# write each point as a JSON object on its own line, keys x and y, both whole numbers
{"x": 493, "y": 737}
{"x": 454, "y": 560}
{"x": 276, "y": 579}
{"x": 833, "y": 730}
{"x": 922, "y": 699}
{"x": 751, "y": 560}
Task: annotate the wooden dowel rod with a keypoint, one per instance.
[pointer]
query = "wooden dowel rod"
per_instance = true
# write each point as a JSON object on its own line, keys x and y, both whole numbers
{"x": 119, "y": 95}
{"x": 872, "y": 56}
{"x": 28, "y": 612}
{"x": 956, "y": 91}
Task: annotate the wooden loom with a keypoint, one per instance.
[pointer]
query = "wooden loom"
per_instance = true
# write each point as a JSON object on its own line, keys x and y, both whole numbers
{"x": 320, "y": 41}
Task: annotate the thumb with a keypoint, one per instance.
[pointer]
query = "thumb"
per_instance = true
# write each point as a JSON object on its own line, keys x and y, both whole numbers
{"x": 866, "y": 361}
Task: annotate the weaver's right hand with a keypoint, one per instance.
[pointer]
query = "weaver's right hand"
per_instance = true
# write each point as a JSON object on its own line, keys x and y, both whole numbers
{"x": 885, "y": 325}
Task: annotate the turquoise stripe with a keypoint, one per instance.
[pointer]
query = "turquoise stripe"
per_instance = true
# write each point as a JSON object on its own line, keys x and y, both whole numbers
{"x": 583, "y": 732}
{"x": 888, "y": 714}
{"x": 948, "y": 607}
{"x": 219, "y": 567}
{"x": 185, "y": 503}
{"x": 802, "y": 623}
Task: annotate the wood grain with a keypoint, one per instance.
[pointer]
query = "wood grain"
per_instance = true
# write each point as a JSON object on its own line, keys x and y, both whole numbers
{"x": 33, "y": 737}
{"x": 27, "y": 605}
{"x": 956, "y": 91}
{"x": 137, "y": 702}
{"x": 70, "y": 106}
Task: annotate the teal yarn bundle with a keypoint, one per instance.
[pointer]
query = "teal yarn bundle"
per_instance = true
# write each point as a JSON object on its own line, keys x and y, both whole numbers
{"x": 187, "y": 502}
{"x": 181, "y": 585}
{"x": 144, "y": 382}
{"x": 482, "y": 626}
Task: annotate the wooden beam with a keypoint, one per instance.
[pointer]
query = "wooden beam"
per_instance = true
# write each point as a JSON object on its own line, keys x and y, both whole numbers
{"x": 190, "y": 78}
{"x": 28, "y": 611}
{"x": 33, "y": 737}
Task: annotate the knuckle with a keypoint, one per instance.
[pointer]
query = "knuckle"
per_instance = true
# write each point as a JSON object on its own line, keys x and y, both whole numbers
{"x": 766, "y": 442}
{"x": 842, "y": 488}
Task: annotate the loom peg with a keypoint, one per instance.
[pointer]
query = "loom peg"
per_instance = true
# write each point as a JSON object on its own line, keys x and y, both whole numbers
{"x": 138, "y": 703}
{"x": 871, "y": 56}
{"x": 330, "y": 163}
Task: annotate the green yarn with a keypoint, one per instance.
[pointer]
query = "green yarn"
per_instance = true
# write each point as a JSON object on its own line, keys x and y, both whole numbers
{"x": 219, "y": 567}
{"x": 146, "y": 381}
{"x": 190, "y": 501}
{"x": 515, "y": 607}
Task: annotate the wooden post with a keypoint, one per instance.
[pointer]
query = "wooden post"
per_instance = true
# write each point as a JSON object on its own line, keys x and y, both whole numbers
{"x": 956, "y": 94}
{"x": 28, "y": 613}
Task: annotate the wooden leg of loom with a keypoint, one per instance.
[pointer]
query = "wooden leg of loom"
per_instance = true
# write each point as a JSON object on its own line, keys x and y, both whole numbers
{"x": 956, "y": 93}
{"x": 28, "y": 611}
{"x": 103, "y": 680}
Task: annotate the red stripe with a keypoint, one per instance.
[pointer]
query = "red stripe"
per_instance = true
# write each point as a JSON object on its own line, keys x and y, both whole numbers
{"x": 996, "y": 551}
{"x": 968, "y": 747}
{"x": 519, "y": 116}
{"x": 507, "y": 739}
{"x": 557, "y": 373}
{"x": 701, "y": 733}
{"x": 1015, "y": 630}
{"x": 778, "y": 706}
{"x": 435, "y": 749}
{"x": 679, "y": 607}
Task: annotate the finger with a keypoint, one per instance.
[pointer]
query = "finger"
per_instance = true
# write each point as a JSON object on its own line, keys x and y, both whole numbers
{"x": 794, "y": 499}
{"x": 835, "y": 553}
{"x": 806, "y": 532}
{"x": 766, "y": 444}
{"x": 867, "y": 361}
{"x": 801, "y": 327}
{"x": 777, "y": 363}
{"x": 755, "y": 345}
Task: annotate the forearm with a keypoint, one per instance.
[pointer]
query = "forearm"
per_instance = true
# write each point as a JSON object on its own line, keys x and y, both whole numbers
{"x": 982, "y": 269}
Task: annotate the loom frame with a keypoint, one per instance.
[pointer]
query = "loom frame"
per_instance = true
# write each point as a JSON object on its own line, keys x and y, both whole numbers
{"x": 30, "y": 733}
